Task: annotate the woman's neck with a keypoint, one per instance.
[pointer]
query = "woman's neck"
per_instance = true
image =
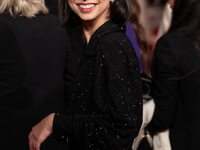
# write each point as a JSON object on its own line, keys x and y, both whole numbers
{"x": 89, "y": 27}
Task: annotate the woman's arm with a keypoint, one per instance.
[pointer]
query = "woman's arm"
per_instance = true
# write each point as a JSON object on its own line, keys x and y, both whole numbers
{"x": 118, "y": 98}
{"x": 40, "y": 132}
{"x": 165, "y": 64}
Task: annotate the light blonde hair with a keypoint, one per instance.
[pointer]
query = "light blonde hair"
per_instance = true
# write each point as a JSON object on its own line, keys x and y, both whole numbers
{"x": 27, "y": 8}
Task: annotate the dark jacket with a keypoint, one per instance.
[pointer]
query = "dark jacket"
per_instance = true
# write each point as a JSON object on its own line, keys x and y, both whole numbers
{"x": 36, "y": 67}
{"x": 105, "y": 111}
{"x": 177, "y": 90}
{"x": 52, "y": 6}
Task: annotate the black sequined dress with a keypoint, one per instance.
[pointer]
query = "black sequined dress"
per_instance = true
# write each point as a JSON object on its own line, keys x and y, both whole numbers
{"x": 105, "y": 106}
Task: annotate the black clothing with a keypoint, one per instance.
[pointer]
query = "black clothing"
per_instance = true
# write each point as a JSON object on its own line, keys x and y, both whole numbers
{"x": 105, "y": 111}
{"x": 76, "y": 41}
{"x": 52, "y": 6}
{"x": 36, "y": 67}
{"x": 75, "y": 34}
{"x": 177, "y": 90}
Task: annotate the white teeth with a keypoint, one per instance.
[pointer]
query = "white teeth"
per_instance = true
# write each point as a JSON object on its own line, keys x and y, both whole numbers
{"x": 87, "y": 6}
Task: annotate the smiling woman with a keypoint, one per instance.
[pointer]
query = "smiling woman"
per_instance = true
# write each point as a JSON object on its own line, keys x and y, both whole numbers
{"x": 105, "y": 104}
{"x": 92, "y": 13}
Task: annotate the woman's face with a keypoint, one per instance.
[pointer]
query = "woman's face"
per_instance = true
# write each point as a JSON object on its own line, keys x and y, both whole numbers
{"x": 91, "y": 10}
{"x": 171, "y": 2}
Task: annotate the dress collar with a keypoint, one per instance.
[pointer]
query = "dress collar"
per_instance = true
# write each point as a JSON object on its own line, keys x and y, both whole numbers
{"x": 106, "y": 28}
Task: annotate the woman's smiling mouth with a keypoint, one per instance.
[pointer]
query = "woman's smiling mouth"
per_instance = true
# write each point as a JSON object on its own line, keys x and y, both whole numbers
{"x": 86, "y": 7}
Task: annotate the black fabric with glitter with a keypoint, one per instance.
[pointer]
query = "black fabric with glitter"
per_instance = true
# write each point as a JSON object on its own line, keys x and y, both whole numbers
{"x": 105, "y": 107}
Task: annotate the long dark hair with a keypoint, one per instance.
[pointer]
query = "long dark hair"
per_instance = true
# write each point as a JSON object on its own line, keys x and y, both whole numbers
{"x": 186, "y": 18}
{"x": 120, "y": 12}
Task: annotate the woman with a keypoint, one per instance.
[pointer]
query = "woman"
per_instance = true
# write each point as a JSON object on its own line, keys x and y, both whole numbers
{"x": 34, "y": 57}
{"x": 176, "y": 76}
{"x": 105, "y": 107}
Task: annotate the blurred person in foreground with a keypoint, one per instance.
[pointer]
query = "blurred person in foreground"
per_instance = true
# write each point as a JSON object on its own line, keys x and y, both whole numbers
{"x": 176, "y": 71}
{"x": 36, "y": 69}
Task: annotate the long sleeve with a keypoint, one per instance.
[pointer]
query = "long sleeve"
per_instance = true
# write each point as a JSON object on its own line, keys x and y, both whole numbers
{"x": 165, "y": 72}
{"x": 117, "y": 99}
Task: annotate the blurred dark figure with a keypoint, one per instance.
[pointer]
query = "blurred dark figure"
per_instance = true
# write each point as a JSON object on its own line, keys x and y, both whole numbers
{"x": 36, "y": 69}
{"x": 176, "y": 75}
{"x": 52, "y": 5}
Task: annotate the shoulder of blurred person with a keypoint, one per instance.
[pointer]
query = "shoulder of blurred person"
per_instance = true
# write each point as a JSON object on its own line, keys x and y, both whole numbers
{"x": 177, "y": 47}
{"x": 52, "y": 5}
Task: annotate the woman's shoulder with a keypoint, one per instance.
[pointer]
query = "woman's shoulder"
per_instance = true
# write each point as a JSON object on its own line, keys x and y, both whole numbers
{"x": 117, "y": 48}
{"x": 116, "y": 41}
{"x": 111, "y": 39}
{"x": 117, "y": 37}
